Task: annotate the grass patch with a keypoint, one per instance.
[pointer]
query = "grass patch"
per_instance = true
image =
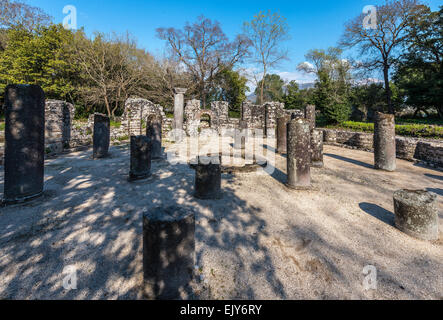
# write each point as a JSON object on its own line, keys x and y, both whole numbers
{"x": 409, "y": 130}
{"x": 169, "y": 115}
{"x": 115, "y": 124}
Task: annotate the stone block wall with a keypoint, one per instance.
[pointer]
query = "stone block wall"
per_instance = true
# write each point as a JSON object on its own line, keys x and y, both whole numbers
{"x": 58, "y": 123}
{"x": 137, "y": 114}
{"x": 411, "y": 149}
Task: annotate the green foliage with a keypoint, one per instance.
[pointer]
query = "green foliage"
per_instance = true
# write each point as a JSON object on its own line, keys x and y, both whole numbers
{"x": 334, "y": 104}
{"x": 41, "y": 57}
{"x": 2, "y": 126}
{"x": 293, "y": 98}
{"x": 273, "y": 89}
{"x": 411, "y": 130}
{"x": 231, "y": 87}
{"x": 115, "y": 124}
{"x": 235, "y": 114}
{"x": 419, "y": 73}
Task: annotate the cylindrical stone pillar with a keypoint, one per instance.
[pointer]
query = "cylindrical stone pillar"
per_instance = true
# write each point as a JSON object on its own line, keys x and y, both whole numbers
{"x": 282, "y": 134}
{"x": 416, "y": 213}
{"x": 299, "y": 155}
{"x": 102, "y": 136}
{"x": 24, "y": 142}
{"x": 384, "y": 142}
{"x": 310, "y": 116}
{"x": 208, "y": 178}
{"x": 154, "y": 133}
{"x": 140, "y": 158}
{"x": 168, "y": 253}
{"x": 179, "y": 111}
{"x": 317, "y": 148}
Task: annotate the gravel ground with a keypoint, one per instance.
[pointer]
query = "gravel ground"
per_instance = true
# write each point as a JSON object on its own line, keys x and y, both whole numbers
{"x": 261, "y": 241}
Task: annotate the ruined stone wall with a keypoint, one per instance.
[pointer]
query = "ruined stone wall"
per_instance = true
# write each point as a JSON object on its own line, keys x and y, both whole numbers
{"x": 254, "y": 115}
{"x": 220, "y": 109}
{"x": 137, "y": 113}
{"x": 58, "y": 124}
{"x": 412, "y": 149}
{"x": 273, "y": 111}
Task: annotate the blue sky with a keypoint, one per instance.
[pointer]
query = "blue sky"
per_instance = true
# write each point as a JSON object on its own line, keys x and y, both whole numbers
{"x": 313, "y": 24}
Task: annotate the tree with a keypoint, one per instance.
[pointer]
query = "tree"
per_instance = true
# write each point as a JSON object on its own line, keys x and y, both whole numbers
{"x": 231, "y": 87}
{"x": 381, "y": 45}
{"x": 419, "y": 71}
{"x": 112, "y": 69}
{"x": 41, "y": 57}
{"x": 205, "y": 51}
{"x": 332, "y": 88}
{"x": 19, "y": 14}
{"x": 271, "y": 89}
{"x": 267, "y": 31}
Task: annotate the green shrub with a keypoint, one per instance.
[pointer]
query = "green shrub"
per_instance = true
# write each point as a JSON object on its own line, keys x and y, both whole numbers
{"x": 2, "y": 126}
{"x": 409, "y": 130}
{"x": 234, "y": 114}
{"x": 338, "y": 112}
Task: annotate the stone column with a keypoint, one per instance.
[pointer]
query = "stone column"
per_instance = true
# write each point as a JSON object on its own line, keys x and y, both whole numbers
{"x": 384, "y": 142}
{"x": 299, "y": 155}
{"x": 24, "y": 143}
{"x": 416, "y": 213}
{"x": 310, "y": 116}
{"x": 140, "y": 158}
{"x": 168, "y": 253}
{"x": 282, "y": 133}
{"x": 154, "y": 133}
{"x": 208, "y": 179}
{"x": 179, "y": 109}
{"x": 317, "y": 148}
{"x": 102, "y": 136}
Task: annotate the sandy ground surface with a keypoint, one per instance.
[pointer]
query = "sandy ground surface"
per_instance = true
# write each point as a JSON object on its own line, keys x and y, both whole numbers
{"x": 261, "y": 241}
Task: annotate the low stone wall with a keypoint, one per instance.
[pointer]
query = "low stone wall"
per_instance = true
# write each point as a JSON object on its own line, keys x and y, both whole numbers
{"x": 411, "y": 149}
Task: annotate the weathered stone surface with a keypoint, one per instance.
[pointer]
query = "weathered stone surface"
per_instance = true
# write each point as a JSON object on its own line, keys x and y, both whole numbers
{"x": 58, "y": 125}
{"x": 317, "y": 148}
{"x": 416, "y": 213}
{"x": 282, "y": 133}
{"x": 154, "y": 133}
{"x": 101, "y": 138}
{"x": 384, "y": 142}
{"x": 140, "y": 158}
{"x": 138, "y": 113}
{"x": 25, "y": 142}
{"x": 168, "y": 253}
{"x": 310, "y": 116}
{"x": 208, "y": 178}
{"x": 299, "y": 155}
{"x": 412, "y": 149}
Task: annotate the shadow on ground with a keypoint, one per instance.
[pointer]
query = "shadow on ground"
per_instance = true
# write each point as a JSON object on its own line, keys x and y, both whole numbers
{"x": 91, "y": 218}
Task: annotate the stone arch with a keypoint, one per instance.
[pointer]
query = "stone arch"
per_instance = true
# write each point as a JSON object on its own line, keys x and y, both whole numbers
{"x": 138, "y": 113}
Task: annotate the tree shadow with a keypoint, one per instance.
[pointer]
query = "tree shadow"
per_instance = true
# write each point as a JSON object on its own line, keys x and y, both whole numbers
{"x": 433, "y": 176}
{"x": 378, "y": 212}
{"x": 356, "y": 162}
{"x": 437, "y": 191}
{"x": 91, "y": 218}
